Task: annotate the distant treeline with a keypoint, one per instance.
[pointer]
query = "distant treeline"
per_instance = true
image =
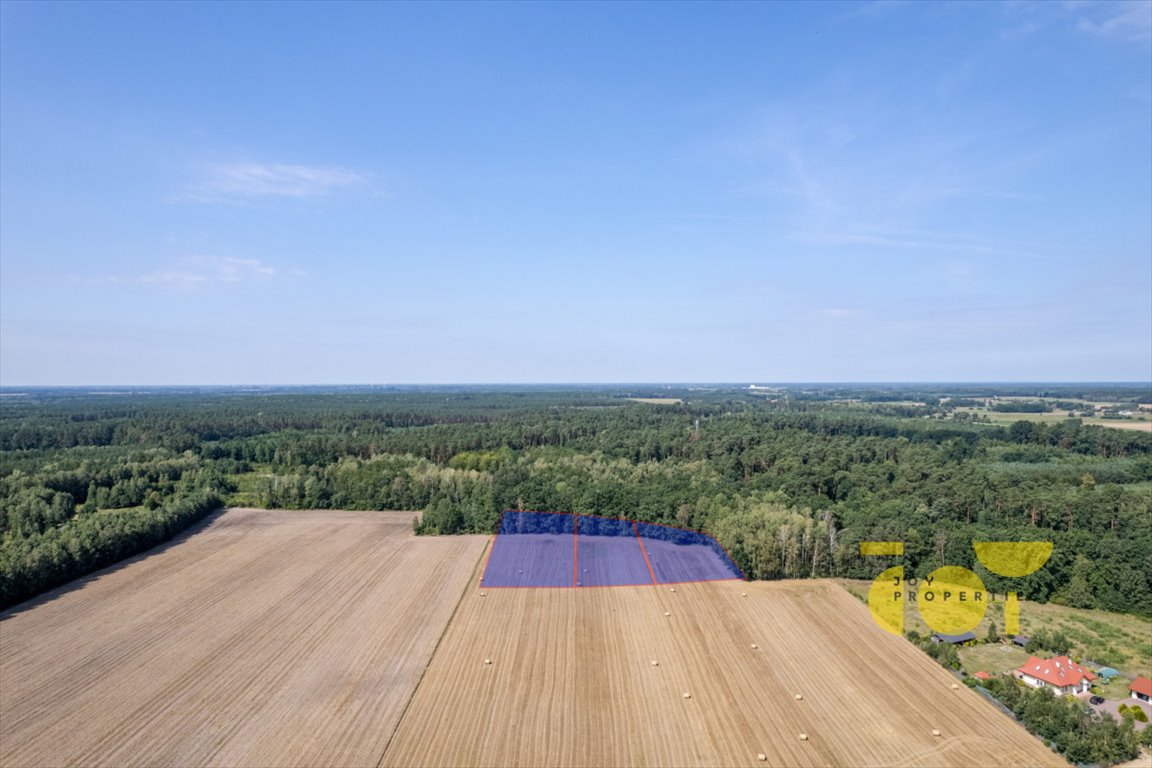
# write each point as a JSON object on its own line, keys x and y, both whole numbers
{"x": 1020, "y": 406}
{"x": 788, "y": 483}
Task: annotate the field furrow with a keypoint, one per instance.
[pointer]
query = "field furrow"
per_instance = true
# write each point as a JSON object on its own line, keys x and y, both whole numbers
{"x": 267, "y": 638}
{"x": 572, "y": 683}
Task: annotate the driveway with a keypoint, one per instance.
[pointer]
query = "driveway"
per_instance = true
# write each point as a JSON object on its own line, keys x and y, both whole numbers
{"x": 1111, "y": 707}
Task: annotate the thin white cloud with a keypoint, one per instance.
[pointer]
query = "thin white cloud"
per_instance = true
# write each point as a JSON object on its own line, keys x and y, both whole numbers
{"x": 845, "y": 313}
{"x": 911, "y": 239}
{"x": 201, "y": 271}
{"x": 856, "y": 174}
{"x": 1125, "y": 21}
{"x": 242, "y": 182}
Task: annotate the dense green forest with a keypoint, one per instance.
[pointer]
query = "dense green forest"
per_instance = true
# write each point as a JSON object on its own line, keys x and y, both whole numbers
{"x": 788, "y": 479}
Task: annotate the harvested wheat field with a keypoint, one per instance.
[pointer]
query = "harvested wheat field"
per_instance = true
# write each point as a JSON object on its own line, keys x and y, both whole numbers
{"x": 603, "y": 677}
{"x": 263, "y": 639}
{"x": 299, "y": 638}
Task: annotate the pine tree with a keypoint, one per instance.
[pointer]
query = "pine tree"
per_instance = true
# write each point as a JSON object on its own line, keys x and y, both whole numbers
{"x": 1079, "y": 591}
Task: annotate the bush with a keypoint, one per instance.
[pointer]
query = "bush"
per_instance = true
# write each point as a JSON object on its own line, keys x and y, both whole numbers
{"x": 1138, "y": 714}
{"x": 993, "y": 636}
{"x": 944, "y": 653}
{"x": 1053, "y": 642}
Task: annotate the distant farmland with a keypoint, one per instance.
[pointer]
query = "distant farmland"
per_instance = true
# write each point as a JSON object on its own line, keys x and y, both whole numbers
{"x": 1140, "y": 423}
{"x": 339, "y": 638}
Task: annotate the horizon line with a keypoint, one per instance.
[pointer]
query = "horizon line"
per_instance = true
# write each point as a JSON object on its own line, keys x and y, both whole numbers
{"x": 745, "y": 383}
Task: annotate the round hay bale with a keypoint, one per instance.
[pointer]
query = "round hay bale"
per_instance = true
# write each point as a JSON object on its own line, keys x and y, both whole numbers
{"x": 761, "y": 757}
{"x": 803, "y": 737}
{"x": 935, "y": 732}
{"x": 483, "y": 594}
{"x": 687, "y": 695}
{"x": 673, "y": 589}
{"x": 799, "y": 697}
{"x": 487, "y": 661}
{"x": 743, "y": 594}
{"x": 655, "y": 663}
{"x": 754, "y": 646}
{"x": 954, "y": 686}
{"x": 666, "y": 613}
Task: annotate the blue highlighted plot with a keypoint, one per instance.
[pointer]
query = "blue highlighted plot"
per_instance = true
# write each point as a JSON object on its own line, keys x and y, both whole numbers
{"x": 532, "y": 549}
{"x": 678, "y": 555}
{"x": 609, "y": 553}
{"x": 545, "y": 549}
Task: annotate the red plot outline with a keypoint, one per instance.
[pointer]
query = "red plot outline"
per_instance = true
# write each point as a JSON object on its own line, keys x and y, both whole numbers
{"x": 575, "y": 549}
{"x": 652, "y": 573}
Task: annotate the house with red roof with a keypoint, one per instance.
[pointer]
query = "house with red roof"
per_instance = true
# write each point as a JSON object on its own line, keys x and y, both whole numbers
{"x": 1141, "y": 689}
{"x": 1059, "y": 673}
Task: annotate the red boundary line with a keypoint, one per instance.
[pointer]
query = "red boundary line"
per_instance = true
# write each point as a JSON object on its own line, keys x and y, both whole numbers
{"x": 607, "y": 586}
{"x": 575, "y": 549}
{"x": 644, "y": 552}
{"x": 741, "y": 577}
{"x": 623, "y": 519}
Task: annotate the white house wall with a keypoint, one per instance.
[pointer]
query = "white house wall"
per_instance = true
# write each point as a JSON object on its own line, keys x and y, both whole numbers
{"x": 1063, "y": 691}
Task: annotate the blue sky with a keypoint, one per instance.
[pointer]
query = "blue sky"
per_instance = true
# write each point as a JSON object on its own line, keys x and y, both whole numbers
{"x": 581, "y": 192}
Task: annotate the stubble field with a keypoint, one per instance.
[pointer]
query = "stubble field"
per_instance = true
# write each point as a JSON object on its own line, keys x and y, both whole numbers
{"x": 571, "y": 683}
{"x": 339, "y": 638}
{"x": 266, "y": 639}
